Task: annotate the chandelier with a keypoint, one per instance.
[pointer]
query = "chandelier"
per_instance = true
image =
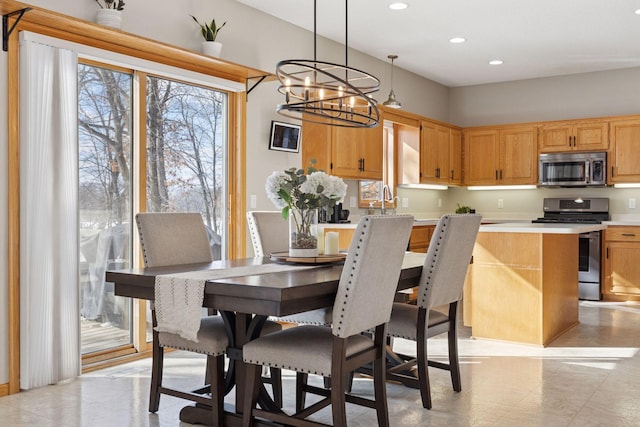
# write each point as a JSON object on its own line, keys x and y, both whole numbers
{"x": 328, "y": 93}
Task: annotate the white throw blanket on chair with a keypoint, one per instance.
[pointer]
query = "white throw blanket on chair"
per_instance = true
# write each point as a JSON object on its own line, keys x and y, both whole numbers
{"x": 179, "y": 297}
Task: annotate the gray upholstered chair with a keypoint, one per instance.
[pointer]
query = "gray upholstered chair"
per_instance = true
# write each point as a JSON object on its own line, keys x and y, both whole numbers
{"x": 441, "y": 283}
{"x": 169, "y": 239}
{"x": 269, "y": 232}
{"x": 364, "y": 299}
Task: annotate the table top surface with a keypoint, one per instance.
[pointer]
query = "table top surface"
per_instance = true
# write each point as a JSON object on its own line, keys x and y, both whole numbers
{"x": 272, "y": 294}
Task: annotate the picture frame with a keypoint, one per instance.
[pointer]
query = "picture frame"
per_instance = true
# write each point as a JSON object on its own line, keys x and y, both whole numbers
{"x": 285, "y": 137}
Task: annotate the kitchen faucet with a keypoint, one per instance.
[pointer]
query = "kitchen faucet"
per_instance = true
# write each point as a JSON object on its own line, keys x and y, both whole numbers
{"x": 386, "y": 191}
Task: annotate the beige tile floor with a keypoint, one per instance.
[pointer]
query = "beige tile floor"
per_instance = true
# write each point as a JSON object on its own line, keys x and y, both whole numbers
{"x": 590, "y": 376}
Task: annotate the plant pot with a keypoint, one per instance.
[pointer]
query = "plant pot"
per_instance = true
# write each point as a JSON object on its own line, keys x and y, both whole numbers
{"x": 212, "y": 48}
{"x": 109, "y": 18}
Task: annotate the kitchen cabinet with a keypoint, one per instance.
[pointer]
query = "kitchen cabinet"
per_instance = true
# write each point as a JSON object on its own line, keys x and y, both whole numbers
{"x": 420, "y": 238}
{"x": 574, "y": 136}
{"x": 624, "y": 162}
{"x": 621, "y": 256}
{"x": 440, "y": 154}
{"x": 352, "y": 153}
{"x": 500, "y": 156}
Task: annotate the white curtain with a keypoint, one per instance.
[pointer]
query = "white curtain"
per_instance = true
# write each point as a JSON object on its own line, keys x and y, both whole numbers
{"x": 49, "y": 301}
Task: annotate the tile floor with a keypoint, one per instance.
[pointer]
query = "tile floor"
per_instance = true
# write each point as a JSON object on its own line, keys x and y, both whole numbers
{"x": 590, "y": 376}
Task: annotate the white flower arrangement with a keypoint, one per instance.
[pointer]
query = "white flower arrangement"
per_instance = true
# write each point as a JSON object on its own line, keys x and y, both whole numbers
{"x": 293, "y": 189}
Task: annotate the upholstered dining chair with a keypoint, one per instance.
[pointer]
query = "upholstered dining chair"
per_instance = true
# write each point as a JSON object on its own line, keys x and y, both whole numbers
{"x": 441, "y": 284}
{"x": 269, "y": 232}
{"x": 169, "y": 239}
{"x": 363, "y": 301}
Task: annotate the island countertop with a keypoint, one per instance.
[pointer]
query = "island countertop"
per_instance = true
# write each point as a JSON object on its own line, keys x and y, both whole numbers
{"x": 543, "y": 228}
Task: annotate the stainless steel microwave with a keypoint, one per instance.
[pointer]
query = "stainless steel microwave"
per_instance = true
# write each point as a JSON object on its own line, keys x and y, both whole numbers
{"x": 573, "y": 169}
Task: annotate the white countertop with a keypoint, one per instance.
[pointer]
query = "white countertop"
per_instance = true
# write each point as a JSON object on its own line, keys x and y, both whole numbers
{"x": 544, "y": 228}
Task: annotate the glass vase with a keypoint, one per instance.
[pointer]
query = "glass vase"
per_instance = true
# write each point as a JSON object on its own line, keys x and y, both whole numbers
{"x": 303, "y": 233}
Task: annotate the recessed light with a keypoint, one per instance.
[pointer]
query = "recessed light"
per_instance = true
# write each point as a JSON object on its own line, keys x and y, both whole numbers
{"x": 496, "y": 62}
{"x": 637, "y": 12}
{"x": 398, "y": 6}
{"x": 457, "y": 40}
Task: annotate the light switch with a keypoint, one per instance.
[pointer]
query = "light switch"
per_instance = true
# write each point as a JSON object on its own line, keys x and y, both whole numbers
{"x": 253, "y": 201}
{"x": 405, "y": 202}
{"x": 632, "y": 203}
{"x": 353, "y": 203}
{"x": 500, "y": 204}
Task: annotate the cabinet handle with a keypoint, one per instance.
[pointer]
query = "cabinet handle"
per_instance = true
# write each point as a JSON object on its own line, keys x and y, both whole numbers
{"x": 628, "y": 234}
{"x": 607, "y": 254}
{"x": 452, "y": 173}
{"x": 363, "y": 164}
{"x": 612, "y": 174}
{"x": 497, "y": 174}
{"x": 500, "y": 174}
{"x": 437, "y": 172}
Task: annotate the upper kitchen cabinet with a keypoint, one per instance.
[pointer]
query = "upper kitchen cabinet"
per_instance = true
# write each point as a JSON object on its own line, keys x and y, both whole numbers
{"x": 624, "y": 161}
{"x": 352, "y": 153}
{"x": 440, "y": 154}
{"x": 590, "y": 135}
{"x": 500, "y": 156}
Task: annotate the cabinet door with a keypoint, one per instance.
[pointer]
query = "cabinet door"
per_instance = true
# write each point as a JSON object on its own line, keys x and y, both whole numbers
{"x": 625, "y": 146}
{"x": 434, "y": 153}
{"x": 480, "y": 158}
{"x": 455, "y": 157}
{"x": 358, "y": 153}
{"x": 407, "y": 143}
{"x": 622, "y": 275}
{"x": 555, "y": 138}
{"x": 316, "y": 144}
{"x": 591, "y": 136}
{"x": 518, "y": 156}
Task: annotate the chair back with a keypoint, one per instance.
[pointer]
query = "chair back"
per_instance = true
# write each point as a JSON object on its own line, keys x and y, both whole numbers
{"x": 447, "y": 261}
{"x": 174, "y": 238}
{"x": 269, "y": 232}
{"x": 370, "y": 274}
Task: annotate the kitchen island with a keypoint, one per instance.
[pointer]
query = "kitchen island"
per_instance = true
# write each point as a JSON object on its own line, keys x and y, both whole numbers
{"x": 523, "y": 283}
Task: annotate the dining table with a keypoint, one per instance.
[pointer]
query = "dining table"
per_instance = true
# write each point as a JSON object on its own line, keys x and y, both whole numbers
{"x": 246, "y": 300}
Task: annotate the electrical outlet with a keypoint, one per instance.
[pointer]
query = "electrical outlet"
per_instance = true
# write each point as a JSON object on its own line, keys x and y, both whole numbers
{"x": 632, "y": 203}
{"x": 439, "y": 203}
{"x": 405, "y": 202}
{"x": 253, "y": 201}
{"x": 500, "y": 204}
{"x": 353, "y": 203}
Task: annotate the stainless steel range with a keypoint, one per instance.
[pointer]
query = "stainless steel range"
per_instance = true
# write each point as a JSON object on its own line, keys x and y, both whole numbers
{"x": 583, "y": 211}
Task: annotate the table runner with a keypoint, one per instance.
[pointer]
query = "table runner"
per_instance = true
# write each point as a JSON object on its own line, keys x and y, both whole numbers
{"x": 179, "y": 297}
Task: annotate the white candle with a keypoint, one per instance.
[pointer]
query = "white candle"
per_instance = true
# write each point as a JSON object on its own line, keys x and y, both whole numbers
{"x": 331, "y": 244}
{"x": 320, "y": 241}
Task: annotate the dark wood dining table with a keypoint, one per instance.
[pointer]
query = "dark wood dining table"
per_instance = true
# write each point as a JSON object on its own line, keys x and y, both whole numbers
{"x": 246, "y": 301}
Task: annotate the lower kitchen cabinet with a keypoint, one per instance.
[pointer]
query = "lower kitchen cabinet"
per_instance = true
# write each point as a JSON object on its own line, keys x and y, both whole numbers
{"x": 420, "y": 238}
{"x": 621, "y": 257}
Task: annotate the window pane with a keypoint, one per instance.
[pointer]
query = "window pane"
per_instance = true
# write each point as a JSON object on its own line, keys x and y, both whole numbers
{"x": 104, "y": 133}
{"x": 186, "y": 134}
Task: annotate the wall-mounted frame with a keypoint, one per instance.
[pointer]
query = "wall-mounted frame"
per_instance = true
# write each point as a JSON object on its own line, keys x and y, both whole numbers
{"x": 285, "y": 137}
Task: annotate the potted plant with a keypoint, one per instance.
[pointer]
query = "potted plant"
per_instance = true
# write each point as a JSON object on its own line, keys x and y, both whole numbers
{"x": 209, "y": 32}
{"x": 110, "y": 13}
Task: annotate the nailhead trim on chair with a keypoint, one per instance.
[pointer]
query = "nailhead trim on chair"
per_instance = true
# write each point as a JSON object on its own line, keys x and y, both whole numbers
{"x": 353, "y": 267}
{"x": 195, "y": 351}
{"x": 291, "y": 368}
{"x": 422, "y": 302}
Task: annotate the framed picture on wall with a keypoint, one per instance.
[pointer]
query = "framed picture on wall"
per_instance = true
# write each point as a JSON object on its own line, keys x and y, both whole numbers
{"x": 285, "y": 137}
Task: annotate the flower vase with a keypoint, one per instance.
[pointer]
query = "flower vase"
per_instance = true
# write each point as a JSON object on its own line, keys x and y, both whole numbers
{"x": 303, "y": 233}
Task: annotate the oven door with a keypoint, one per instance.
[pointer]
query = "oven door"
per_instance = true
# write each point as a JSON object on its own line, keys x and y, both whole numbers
{"x": 589, "y": 265}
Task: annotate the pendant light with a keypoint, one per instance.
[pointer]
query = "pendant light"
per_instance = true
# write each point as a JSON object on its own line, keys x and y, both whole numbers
{"x": 392, "y": 102}
{"x": 328, "y": 93}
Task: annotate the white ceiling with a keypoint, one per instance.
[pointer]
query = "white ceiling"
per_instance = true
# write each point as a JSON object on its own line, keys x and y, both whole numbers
{"x": 534, "y": 38}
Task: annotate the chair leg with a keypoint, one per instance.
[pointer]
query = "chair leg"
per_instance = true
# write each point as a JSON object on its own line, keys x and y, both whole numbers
{"x": 423, "y": 371}
{"x": 454, "y": 364}
{"x": 338, "y": 403}
{"x": 156, "y": 375}
{"x": 380, "y": 391}
{"x": 276, "y": 385}
{"x": 215, "y": 372}
{"x": 252, "y": 391}
{"x": 301, "y": 393}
